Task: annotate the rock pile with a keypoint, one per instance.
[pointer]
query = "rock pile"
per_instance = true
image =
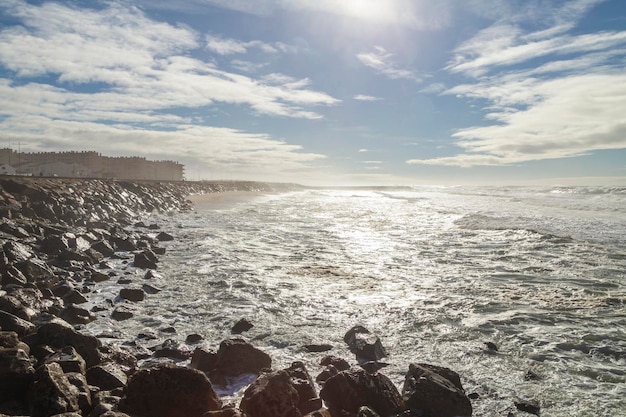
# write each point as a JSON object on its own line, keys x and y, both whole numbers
{"x": 57, "y": 237}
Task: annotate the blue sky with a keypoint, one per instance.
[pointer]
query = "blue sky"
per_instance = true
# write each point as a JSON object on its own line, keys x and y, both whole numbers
{"x": 323, "y": 91}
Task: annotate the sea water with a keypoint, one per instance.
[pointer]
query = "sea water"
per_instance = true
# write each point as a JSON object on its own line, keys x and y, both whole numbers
{"x": 434, "y": 271}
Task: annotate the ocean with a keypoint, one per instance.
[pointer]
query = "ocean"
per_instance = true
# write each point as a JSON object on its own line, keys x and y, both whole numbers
{"x": 434, "y": 271}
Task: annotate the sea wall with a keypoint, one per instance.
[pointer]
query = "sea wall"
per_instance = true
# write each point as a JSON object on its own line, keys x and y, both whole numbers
{"x": 58, "y": 240}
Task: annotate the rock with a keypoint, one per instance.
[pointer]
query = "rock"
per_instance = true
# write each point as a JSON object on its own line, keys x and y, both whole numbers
{"x": 433, "y": 393}
{"x": 528, "y": 406}
{"x": 169, "y": 391}
{"x": 490, "y": 346}
{"x": 224, "y": 412}
{"x": 17, "y": 252}
{"x": 318, "y": 347}
{"x": 531, "y": 376}
{"x": 84, "y": 394}
{"x": 14, "y": 306}
{"x": 339, "y": 363}
{"x": 364, "y": 344}
{"x": 104, "y": 247}
{"x": 16, "y": 370}
{"x": 58, "y": 333}
{"x": 236, "y": 357}
{"x": 146, "y": 259}
{"x": 366, "y": 412}
{"x": 151, "y": 273}
{"x": 122, "y": 312}
{"x": 74, "y": 297}
{"x": 308, "y": 401}
{"x": 69, "y": 360}
{"x": 194, "y": 338}
{"x": 164, "y": 237}
{"x": 150, "y": 289}
{"x": 132, "y": 294}
{"x": 52, "y": 392}
{"x": 170, "y": 348}
{"x": 77, "y": 315}
{"x": 241, "y": 326}
{"x": 271, "y": 394}
{"x": 203, "y": 359}
{"x": 106, "y": 376}
{"x": 10, "y": 322}
{"x": 346, "y": 392}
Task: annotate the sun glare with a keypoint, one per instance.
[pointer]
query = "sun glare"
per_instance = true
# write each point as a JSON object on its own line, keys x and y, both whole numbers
{"x": 383, "y": 11}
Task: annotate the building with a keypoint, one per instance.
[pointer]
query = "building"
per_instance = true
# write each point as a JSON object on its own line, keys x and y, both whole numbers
{"x": 90, "y": 164}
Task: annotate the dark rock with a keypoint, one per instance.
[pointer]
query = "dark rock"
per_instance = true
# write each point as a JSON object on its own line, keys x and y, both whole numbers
{"x": 52, "y": 393}
{"x": 339, "y": 363}
{"x": 241, "y": 326}
{"x": 146, "y": 259}
{"x": 170, "y": 348}
{"x": 126, "y": 244}
{"x": 203, "y": 359}
{"x": 236, "y": 357}
{"x": 16, "y": 370}
{"x": 364, "y": 344}
{"x": 17, "y": 252}
{"x": 104, "y": 247}
{"x": 106, "y": 376}
{"x": 271, "y": 394}
{"x": 318, "y": 347}
{"x": 97, "y": 276}
{"x": 224, "y": 412}
{"x": 35, "y": 269}
{"x": 158, "y": 250}
{"x": 528, "y": 406}
{"x": 365, "y": 411}
{"x": 531, "y": 376}
{"x": 194, "y": 338}
{"x": 308, "y": 401}
{"x": 132, "y": 294}
{"x": 122, "y": 312}
{"x": 58, "y": 333}
{"x": 150, "y": 289}
{"x": 169, "y": 391}
{"x": 69, "y": 360}
{"x": 10, "y": 322}
{"x": 151, "y": 273}
{"x": 164, "y": 237}
{"x": 74, "y": 297}
{"x": 432, "y": 393}
{"x": 13, "y": 276}
{"x": 84, "y": 393}
{"x": 14, "y": 306}
{"x": 490, "y": 346}
{"x": 154, "y": 226}
{"x": 346, "y": 392}
{"x": 76, "y": 315}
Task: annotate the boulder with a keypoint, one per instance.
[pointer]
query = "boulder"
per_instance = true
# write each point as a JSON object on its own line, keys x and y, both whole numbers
{"x": 169, "y": 391}
{"x": 271, "y": 395}
{"x": 203, "y": 359}
{"x": 164, "y": 237}
{"x": 14, "y": 306}
{"x": 122, "y": 312}
{"x": 74, "y": 296}
{"x": 241, "y": 326}
{"x": 69, "y": 360}
{"x": 435, "y": 391}
{"x": 308, "y": 401}
{"x": 364, "y": 344}
{"x": 10, "y": 322}
{"x": 146, "y": 259}
{"x": 236, "y": 357}
{"x": 84, "y": 393}
{"x": 132, "y": 294}
{"x": 58, "y": 333}
{"x": 224, "y": 412}
{"x": 104, "y": 247}
{"x": 16, "y": 370}
{"x": 106, "y": 376}
{"x": 52, "y": 393}
{"x": 346, "y": 392}
{"x": 150, "y": 289}
{"x": 77, "y": 315}
{"x": 170, "y": 348}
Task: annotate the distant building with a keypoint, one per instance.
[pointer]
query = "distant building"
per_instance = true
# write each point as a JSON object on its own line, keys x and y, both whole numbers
{"x": 91, "y": 164}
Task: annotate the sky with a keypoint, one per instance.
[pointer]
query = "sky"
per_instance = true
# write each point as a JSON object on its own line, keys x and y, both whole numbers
{"x": 325, "y": 92}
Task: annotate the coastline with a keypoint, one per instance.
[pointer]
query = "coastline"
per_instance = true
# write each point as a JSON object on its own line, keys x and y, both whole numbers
{"x": 60, "y": 238}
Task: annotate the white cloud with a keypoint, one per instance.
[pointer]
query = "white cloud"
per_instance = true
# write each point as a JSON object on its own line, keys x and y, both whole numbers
{"x": 382, "y": 62}
{"x": 364, "y": 97}
{"x": 231, "y": 46}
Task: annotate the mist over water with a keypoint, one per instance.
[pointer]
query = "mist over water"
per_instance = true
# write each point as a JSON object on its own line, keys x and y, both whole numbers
{"x": 434, "y": 272}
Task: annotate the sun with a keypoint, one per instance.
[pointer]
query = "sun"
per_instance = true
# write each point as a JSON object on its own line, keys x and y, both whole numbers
{"x": 379, "y": 11}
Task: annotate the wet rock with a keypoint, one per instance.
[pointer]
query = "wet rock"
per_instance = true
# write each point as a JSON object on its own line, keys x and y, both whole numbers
{"x": 14, "y": 306}
{"x": 364, "y": 344}
{"x": 491, "y": 347}
{"x": 13, "y": 276}
{"x": 170, "y": 348}
{"x": 241, "y": 326}
{"x": 132, "y": 294}
{"x": 346, "y": 392}
{"x": 52, "y": 393}
{"x": 203, "y": 359}
{"x": 308, "y": 401}
{"x": 76, "y": 315}
{"x": 194, "y": 338}
{"x": 10, "y": 322}
{"x": 58, "y": 333}
{"x": 224, "y": 412}
{"x": 151, "y": 273}
{"x": 339, "y": 363}
{"x": 432, "y": 392}
{"x": 528, "y": 406}
{"x": 146, "y": 259}
{"x": 16, "y": 370}
{"x": 69, "y": 360}
{"x": 531, "y": 376}
{"x": 150, "y": 289}
{"x": 164, "y": 237}
{"x": 366, "y": 412}
{"x": 271, "y": 394}
{"x": 106, "y": 376}
{"x": 236, "y": 357}
{"x": 35, "y": 270}
{"x": 169, "y": 391}
{"x": 324, "y": 347}
{"x": 122, "y": 312}
{"x": 17, "y": 252}
{"x": 97, "y": 276}
{"x": 79, "y": 381}
{"x": 104, "y": 247}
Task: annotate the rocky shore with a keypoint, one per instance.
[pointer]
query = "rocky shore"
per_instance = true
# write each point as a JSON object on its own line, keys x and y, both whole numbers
{"x": 59, "y": 238}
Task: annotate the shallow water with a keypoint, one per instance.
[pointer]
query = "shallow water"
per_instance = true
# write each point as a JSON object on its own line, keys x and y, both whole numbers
{"x": 434, "y": 271}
